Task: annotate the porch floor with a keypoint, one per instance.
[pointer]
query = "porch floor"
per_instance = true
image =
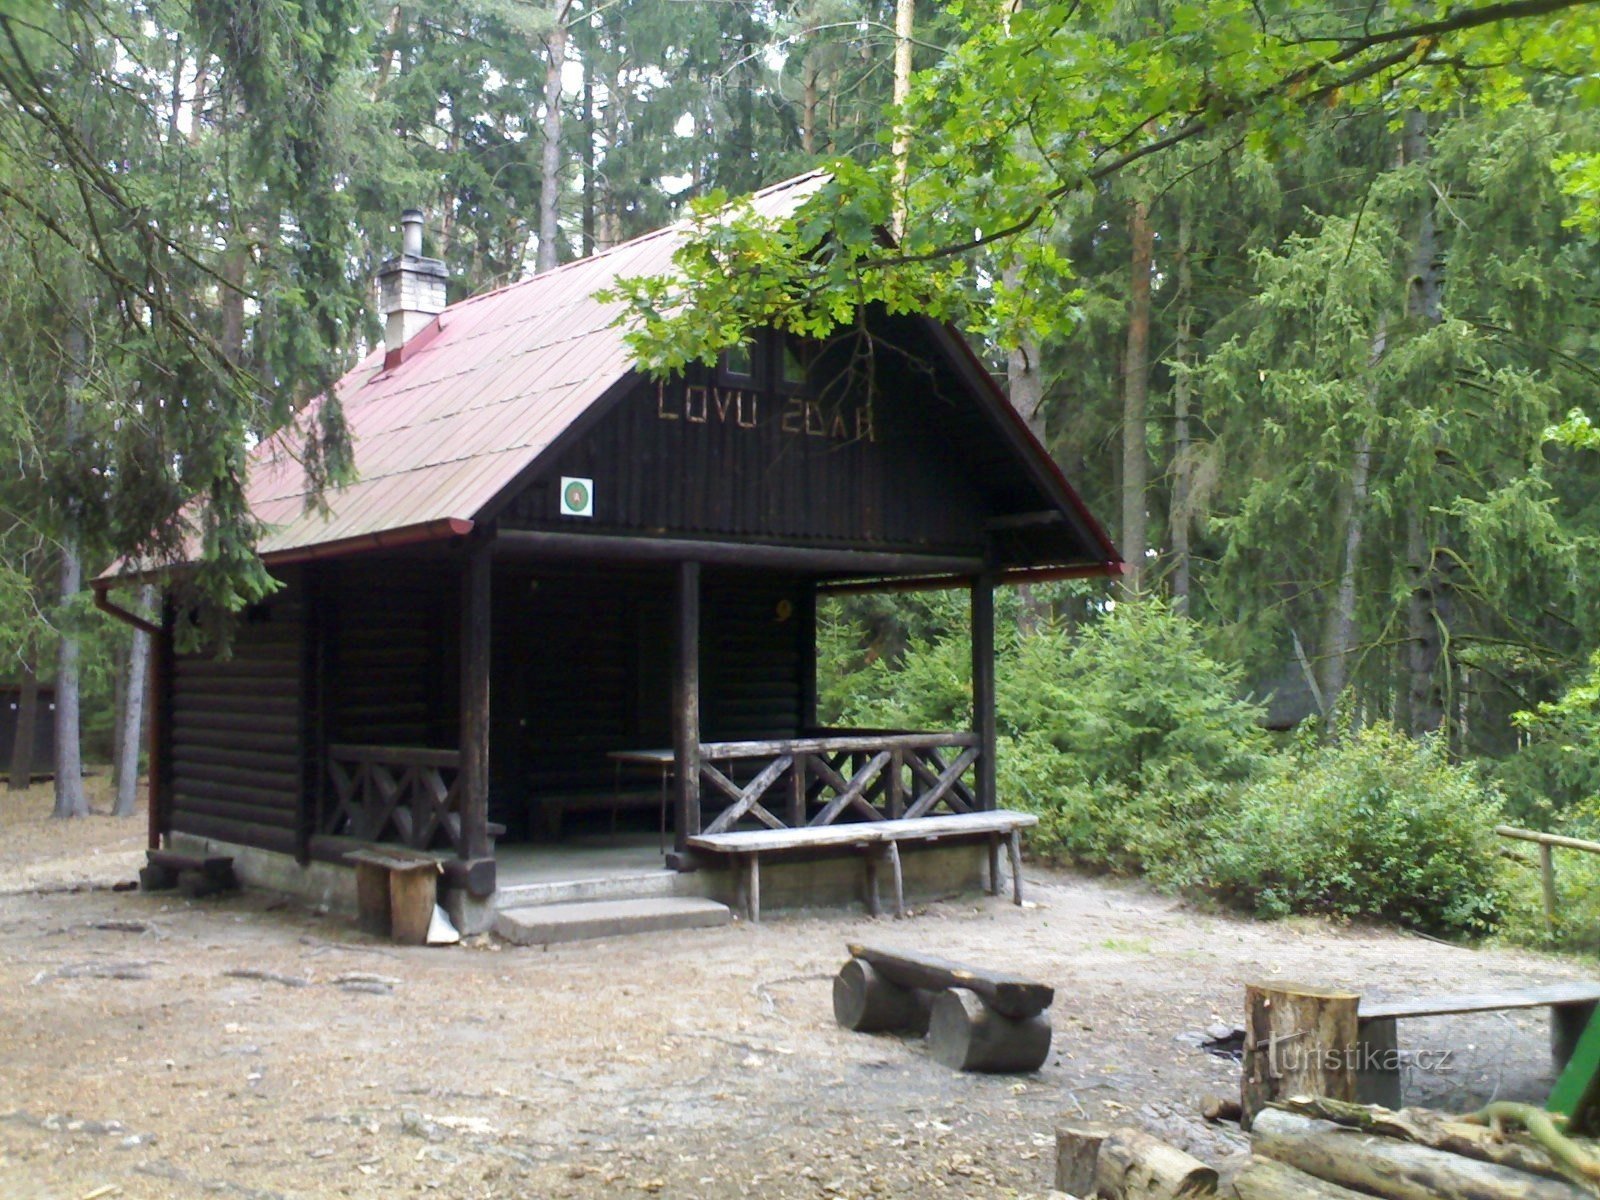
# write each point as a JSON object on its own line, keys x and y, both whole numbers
{"x": 603, "y": 856}
{"x": 624, "y": 866}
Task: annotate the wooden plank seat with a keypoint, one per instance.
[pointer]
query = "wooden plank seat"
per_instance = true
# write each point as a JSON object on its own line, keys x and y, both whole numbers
{"x": 1378, "y": 1063}
{"x": 975, "y": 1019}
{"x": 878, "y": 841}
{"x": 196, "y": 875}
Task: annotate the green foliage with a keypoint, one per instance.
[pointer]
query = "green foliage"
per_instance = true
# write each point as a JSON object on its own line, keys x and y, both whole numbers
{"x": 1377, "y": 825}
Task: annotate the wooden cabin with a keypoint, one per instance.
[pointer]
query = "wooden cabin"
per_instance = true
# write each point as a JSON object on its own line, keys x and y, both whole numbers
{"x": 560, "y": 594}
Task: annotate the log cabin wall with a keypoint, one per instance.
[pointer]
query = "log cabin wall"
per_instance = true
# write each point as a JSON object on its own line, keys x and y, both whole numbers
{"x": 236, "y": 763}
{"x": 391, "y": 651}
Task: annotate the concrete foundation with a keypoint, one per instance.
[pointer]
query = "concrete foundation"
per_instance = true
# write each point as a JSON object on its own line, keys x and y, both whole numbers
{"x": 318, "y": 883}
{"x": 836, "y": 881}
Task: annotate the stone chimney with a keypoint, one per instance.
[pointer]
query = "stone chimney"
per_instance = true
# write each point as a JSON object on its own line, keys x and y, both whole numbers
{"x": 410, "y": 289}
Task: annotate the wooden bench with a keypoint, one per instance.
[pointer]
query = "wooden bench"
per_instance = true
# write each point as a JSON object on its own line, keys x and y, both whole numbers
{"x": 878, "y": 840}
{"x": 1378, "y": 1063}
{"x": 975, "y": 1019}
{"x": 197, "y": 875}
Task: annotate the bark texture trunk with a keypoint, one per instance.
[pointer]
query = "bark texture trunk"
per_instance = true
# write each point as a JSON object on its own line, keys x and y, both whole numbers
{"x": 905, "y": 12}
{"x": 1135, "y": 398}
{"x": 1298, "y": 1041}
{"x": 1182, "y": 464}
{"x": 131, "y": 717}
{"x": 1429, "y": 609}
{"x": 550, "y": 164}
{"x": 70, "y": 798}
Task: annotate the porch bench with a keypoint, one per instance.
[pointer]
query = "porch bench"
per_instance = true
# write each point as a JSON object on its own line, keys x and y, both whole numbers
{"x": 1378, "y": 1063}
{"x": 878, "y": 840}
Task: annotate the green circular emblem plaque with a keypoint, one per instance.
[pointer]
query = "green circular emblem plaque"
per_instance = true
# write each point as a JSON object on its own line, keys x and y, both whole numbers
{"x": 576, "y": 496}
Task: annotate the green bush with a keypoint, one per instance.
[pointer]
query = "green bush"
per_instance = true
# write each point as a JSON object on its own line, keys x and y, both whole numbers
{"x": 1127, "y": 738}
{"x": 1376, "y": 826}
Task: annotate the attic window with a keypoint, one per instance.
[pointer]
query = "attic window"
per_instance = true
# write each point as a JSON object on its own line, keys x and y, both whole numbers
{"x": 740, "y": 364}
{"x": 795, "y": 356}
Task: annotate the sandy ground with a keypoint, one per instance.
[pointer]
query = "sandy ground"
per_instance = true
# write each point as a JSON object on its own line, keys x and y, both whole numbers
{"x": 250, "y": 1047}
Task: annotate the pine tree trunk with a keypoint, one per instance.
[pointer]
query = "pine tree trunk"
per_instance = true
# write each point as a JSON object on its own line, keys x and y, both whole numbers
{"x": 70, "y": 798}
{"x": 550, "y": 166}
{"x": 1182, "y": 468}
{"x": 21, "y": 773}
{"x": 1339, "y": 640}
{"x": 131, "y": 717}
{"x": 904, "y": 20}
{"x": 587, "y": 158}
{"x": 1135, "y": 396}
{"x": 808, "y": 110}
{"x": 1428, "y": 615}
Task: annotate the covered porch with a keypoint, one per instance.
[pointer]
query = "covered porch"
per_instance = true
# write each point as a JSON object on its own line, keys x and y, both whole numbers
{"x": 675, "y": 664}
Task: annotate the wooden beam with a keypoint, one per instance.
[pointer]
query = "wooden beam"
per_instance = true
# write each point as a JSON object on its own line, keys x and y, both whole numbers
{"x": 475, "y": 650}
{"x": 806, "y": 617}
{"x": 160, "y": 709}
{"x": 313, "y": 727}
{"x": 983, "y": 720}
{"x": 533, "y": 543}
{"x": 686, "y": 703}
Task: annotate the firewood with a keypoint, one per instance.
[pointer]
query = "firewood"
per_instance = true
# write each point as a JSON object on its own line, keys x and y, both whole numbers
{"x": 1268, "y": 1179}
{"x": 1077, "y": 1151}
{"x": 1393, "y": 1169}
{"x": 1132, "y": 1165}
{"x": 1441, "y": 1131}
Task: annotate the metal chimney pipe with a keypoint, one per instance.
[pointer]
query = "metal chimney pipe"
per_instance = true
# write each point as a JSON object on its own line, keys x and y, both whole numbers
{"x": 411, "y": 232}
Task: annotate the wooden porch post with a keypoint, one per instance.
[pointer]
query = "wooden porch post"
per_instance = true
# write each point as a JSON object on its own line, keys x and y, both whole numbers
{"x": 983, "y": 686}
{"x": 475, "y": 703}
{"x": 686, "y": 704}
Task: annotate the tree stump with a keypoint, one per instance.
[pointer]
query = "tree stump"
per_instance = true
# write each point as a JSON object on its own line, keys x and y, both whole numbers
{"x": 863, "y": 1000}
{"x": 1077, "y": 1152}
{"x": 965, "y": 1034}
{"x": 1298, "y": 1041}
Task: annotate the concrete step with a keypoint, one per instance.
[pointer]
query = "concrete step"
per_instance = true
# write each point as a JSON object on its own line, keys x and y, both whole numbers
{"x": 541, "y": 924}
{"x": 606, "y": 887}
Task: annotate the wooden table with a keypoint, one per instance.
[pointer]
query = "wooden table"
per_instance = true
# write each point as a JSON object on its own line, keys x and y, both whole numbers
{"x": 663, "y": 761}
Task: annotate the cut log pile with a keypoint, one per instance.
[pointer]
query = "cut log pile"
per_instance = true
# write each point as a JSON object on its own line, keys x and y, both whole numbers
{"x": 1325, "y": 1149}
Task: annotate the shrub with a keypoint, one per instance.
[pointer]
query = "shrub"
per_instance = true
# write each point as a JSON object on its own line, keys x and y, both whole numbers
{"x": 1375, "y": 826}
{"x": 1149, "y": 737}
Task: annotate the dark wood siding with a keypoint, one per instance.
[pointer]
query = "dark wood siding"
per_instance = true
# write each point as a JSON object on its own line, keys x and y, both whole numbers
{"x": 750, "y": 647}
{"x": 881, "y": 454}
{"x": 236, "y": 755}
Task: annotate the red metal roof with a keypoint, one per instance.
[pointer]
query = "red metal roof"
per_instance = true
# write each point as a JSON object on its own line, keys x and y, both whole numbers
{"x": 441, "y": 434}
{"x": 476, "y": 398}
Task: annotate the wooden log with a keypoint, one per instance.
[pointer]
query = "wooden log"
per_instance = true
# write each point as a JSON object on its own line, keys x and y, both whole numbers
{"x": 412, "y": 895}
{"x": 1441, "y": 1131}
{"x": 1299, "y": 1041}
{"x": 1132, "y": 1165}
{"x": 965, "y": 1034}
{"x": 1009, "y": 995}
{"x": 1397, "y": 1170}
{"x": 1268, "y": 1179}
{"x": 866, "y": 1002}
{"x": 1077, "y": 1152}
{"x": 372, "y": 899}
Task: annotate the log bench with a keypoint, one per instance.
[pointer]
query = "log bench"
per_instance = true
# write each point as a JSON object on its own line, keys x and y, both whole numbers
{"x": 396, "y": 889}
{"x": 877, "y": 841}
{"x": 975, "y": 1019}
{"x": 1378, "y": 1063}
{"x": 196, "y": 875}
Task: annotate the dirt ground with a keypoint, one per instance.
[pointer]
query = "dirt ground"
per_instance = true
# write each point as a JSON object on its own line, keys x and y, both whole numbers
{"x": 250, "y": 1047}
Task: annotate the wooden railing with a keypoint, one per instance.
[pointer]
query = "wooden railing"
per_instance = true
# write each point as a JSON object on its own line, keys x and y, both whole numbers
{"x": 1547, "y": 842}
{"x": 404, "y": 794}
{"x": 817, "y": 780}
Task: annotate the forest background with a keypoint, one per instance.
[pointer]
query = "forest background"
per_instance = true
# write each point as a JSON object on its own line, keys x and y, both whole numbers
{"x": 1304, "y": 299}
